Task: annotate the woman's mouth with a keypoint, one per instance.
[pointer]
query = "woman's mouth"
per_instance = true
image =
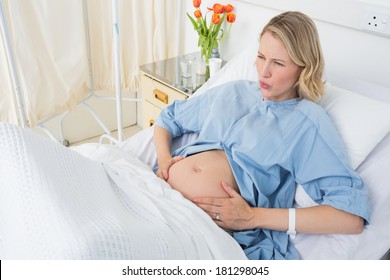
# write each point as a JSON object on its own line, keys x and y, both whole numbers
{"x": 264, "y": 85}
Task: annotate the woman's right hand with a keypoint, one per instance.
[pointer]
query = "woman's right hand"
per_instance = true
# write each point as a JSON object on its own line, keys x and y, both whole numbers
{"x": 165, "y": 165}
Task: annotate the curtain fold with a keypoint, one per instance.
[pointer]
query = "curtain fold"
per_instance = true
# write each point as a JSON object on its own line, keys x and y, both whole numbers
{"x": 51, "y": 50}
{"x": 148, "y": 32}
{"x": 7, "y": 106}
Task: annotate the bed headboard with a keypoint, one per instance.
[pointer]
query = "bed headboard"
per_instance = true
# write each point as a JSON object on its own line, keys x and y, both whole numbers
{"x": 360, "y": 86}
{"x": 348, "y": 50}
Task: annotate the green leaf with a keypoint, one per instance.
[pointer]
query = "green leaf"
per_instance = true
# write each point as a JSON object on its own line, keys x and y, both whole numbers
{"x": 201, "y": 40}
{"x": 194, "y": 23}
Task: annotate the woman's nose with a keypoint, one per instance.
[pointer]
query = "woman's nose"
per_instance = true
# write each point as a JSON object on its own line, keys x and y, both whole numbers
{"x": 265, "y": 71}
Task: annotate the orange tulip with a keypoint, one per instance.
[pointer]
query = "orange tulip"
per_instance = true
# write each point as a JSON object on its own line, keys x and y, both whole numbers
{"x": 230, "y": 17}
{"x": 216, "y": 18}
{"x": 210, "y": 31}
{"x": 196, "y": 3}
{"x": 218, "y": 8}
{"x": 229, "y": 8}
{"x": 198, "y": 14}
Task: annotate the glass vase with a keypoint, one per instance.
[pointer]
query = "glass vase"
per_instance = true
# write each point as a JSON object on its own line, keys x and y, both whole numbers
{"x": 214, "y": 53}
{"x": 201, "y": 66}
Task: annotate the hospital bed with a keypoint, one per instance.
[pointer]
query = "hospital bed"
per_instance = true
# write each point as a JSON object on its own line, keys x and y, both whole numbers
{"x": 97, "y": 201}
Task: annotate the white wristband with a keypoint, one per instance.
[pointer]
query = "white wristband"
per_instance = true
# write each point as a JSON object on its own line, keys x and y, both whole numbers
{"x": 291, "y": 223}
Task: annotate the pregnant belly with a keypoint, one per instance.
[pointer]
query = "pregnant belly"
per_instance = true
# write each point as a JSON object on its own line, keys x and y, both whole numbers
{"x": 200, "y": 175}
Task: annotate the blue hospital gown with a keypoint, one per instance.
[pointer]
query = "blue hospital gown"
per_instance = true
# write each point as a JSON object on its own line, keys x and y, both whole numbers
{"x": 270, "y": 146}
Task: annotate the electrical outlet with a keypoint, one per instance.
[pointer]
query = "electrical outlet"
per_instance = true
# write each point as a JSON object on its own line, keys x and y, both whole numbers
{"x": 375, "y": 21}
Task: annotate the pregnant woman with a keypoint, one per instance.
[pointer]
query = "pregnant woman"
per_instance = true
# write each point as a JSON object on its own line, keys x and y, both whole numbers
{"x": 260, "y": 139}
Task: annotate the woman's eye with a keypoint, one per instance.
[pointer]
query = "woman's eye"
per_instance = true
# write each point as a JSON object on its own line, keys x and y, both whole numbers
{"x": 279, "y": 63}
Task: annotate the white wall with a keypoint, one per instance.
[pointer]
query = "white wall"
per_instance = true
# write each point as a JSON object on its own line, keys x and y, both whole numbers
{"x": 347, "y": 49}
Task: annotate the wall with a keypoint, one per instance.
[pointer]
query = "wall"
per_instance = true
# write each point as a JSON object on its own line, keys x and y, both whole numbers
{"x": 346, "y": 13}
{"x": 347, "y": 49}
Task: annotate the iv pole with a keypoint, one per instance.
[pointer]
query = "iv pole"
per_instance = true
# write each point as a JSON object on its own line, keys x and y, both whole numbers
{"x": 118, "y": 84}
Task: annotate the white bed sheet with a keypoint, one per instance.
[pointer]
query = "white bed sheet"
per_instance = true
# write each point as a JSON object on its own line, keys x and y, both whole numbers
{"x": 57, "y": 204}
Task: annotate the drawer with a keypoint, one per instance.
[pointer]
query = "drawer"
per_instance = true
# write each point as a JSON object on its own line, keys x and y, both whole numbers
{"x": 157, "y": 93}
{"x": 149, "y": 114}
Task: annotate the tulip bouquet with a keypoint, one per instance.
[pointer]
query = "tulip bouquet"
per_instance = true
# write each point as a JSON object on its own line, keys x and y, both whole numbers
{"x": 210, "y": 34}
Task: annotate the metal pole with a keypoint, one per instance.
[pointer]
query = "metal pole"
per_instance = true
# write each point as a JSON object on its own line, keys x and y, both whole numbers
{"x": 118, "y": 84}
{"x": 12, "y": 66}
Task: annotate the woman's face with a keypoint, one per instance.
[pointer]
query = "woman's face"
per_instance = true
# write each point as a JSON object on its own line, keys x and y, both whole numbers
{"x": 277, "y": 73}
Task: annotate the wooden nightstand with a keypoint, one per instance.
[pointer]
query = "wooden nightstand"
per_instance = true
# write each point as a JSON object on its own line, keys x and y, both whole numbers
{"x": 162, "y": 83}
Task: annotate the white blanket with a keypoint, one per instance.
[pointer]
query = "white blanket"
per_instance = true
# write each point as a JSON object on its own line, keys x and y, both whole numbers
{"x": 58, "y": 204}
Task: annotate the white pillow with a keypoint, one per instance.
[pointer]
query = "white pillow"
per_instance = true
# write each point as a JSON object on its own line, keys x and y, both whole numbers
{"x": 241, "y": 67}
{"x": 374, "y": 241}
{"x": 361, "y": 121}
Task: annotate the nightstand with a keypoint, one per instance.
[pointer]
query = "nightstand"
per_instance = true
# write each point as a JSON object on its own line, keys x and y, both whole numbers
{"x": 162, "y": 83}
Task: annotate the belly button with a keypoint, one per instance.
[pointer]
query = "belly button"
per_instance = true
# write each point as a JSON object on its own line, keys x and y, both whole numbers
{"x": 197, "y": 169}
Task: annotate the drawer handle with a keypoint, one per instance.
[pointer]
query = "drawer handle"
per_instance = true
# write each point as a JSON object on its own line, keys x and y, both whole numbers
{"x": 151, "y": 122}
{"x": 163, "y": 97}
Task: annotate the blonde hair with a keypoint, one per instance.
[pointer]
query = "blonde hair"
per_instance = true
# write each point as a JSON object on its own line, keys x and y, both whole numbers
{"x": 299, "y": 35}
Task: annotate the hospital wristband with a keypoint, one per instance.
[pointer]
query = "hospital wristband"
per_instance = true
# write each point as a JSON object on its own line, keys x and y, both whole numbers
{"x": 291, "y": 223}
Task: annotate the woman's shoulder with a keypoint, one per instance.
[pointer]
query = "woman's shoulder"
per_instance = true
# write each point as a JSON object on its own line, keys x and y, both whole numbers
{"x": 311, "y": 109}
{"x": 311, "y": 115}
{"x": 316, "y": 118}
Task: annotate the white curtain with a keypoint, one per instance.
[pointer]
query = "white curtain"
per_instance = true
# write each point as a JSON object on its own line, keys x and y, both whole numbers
{"x": 51, "y": 50}
{"x": 148, "y": 31}
{"x": 7, "y": 105}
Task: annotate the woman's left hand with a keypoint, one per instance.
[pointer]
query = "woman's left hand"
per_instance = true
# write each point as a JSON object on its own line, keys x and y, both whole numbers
{"x": 232, "y": 213}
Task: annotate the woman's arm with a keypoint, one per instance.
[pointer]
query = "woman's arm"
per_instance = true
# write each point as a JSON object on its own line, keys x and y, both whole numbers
{"x": 236, "y": 214}
{"x": 321, "y": 219}
{"x": 162, "y": 141}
